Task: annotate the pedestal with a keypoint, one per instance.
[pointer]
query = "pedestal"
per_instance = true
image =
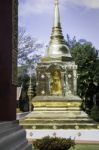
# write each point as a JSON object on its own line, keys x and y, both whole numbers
{"x": 69, "y": 102}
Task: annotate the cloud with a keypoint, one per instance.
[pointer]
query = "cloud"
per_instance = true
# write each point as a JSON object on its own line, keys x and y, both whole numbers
{"x": 35, "y": 7}
{"x": 28, "y": 7}
{"x": 87, "y": 3}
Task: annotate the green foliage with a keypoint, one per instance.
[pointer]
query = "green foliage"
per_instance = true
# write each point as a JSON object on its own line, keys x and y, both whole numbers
{"x": 53, "y": 143}
{"x": 96, "y": 75}
{"x": 95, "y": 113}
{"x": 85, "y": 56}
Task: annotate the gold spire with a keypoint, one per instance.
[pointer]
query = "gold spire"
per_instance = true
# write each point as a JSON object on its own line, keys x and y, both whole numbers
{"x": 30, "y": 93}
{"x": 56, "y": 14}
{"x": 57, "y": 49}
{"x": 56, "y": 2}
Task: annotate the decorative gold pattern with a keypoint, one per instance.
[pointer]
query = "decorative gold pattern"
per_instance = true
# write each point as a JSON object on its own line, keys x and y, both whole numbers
{"x": 14, "y": 40}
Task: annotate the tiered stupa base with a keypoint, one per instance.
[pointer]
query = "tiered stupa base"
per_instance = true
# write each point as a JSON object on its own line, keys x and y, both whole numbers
{"x": 57, "y": 112}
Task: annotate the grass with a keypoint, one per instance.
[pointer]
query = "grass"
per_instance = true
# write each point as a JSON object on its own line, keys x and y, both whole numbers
{"x": 86, "y": 147}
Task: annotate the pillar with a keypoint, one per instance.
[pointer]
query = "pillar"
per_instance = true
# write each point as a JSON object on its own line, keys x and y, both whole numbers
{"x": 8, "y": 55}
{"x": 13, "y": 136}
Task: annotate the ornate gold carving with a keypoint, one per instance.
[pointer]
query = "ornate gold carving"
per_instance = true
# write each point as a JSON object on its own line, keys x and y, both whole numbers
{"x": 14, "y": 40}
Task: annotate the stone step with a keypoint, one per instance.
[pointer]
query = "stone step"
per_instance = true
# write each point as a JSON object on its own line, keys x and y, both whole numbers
{"x": 61, "y": 126}
{"x": 57, "y": 114}
{"x": 22, "y": 145}
{"x": 7, "y": 124}
{"x": 13, "y": 136}
{"x": 55, "y": 117}
{"x": 26, "y": 147}
{"x": 56, "y": 109}
{"x": 58, "y": 119}
{"x": 55, "y": 120}
{"x": 10, "y": 130}
{"x": 22, "y": 115}
{"x": 71, "y": 123}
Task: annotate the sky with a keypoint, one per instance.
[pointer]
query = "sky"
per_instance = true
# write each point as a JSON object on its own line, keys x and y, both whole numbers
{"x": 79, "y": 18}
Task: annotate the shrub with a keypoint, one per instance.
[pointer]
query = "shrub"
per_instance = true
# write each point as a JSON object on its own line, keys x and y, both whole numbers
{"x": 53, "y": 143}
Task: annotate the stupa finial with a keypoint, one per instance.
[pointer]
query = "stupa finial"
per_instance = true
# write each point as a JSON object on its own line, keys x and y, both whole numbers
{"x": 56, "y": 2}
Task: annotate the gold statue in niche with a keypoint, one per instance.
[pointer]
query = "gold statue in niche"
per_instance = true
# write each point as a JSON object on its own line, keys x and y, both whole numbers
{"x": 56, "y": 86}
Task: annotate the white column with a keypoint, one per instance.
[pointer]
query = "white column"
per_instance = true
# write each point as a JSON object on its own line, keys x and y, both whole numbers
{"x": 75, "y": 79}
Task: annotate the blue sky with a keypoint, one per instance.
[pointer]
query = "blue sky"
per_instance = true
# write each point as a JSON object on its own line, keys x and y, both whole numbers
{"x": 79, "y": 18}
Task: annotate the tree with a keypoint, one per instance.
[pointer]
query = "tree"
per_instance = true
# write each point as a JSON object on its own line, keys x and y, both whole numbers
{"x": 85, "y": 56}
{"x": 28, "y": 49}
{"x": 28, "y": 56}
{"x": 96, "y": 76}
